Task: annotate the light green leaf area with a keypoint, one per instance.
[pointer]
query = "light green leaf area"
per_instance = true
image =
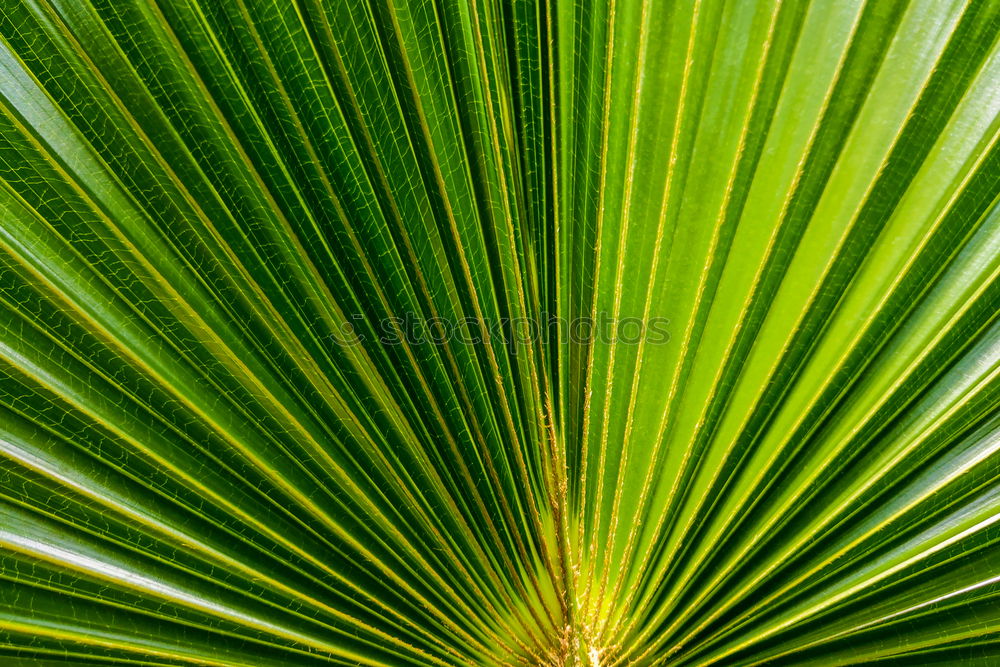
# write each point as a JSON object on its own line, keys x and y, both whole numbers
{"x": 499, "y": 332}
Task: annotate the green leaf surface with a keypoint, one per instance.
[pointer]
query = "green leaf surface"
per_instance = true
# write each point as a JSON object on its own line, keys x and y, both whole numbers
{"x": 499, "y": 332}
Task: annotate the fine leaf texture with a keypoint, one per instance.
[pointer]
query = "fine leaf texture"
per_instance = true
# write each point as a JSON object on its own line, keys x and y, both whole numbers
{"x": 499, "y": 332}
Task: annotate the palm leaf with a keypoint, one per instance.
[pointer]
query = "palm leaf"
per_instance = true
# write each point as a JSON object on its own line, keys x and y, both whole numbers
{"x": 499, "y": 332}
